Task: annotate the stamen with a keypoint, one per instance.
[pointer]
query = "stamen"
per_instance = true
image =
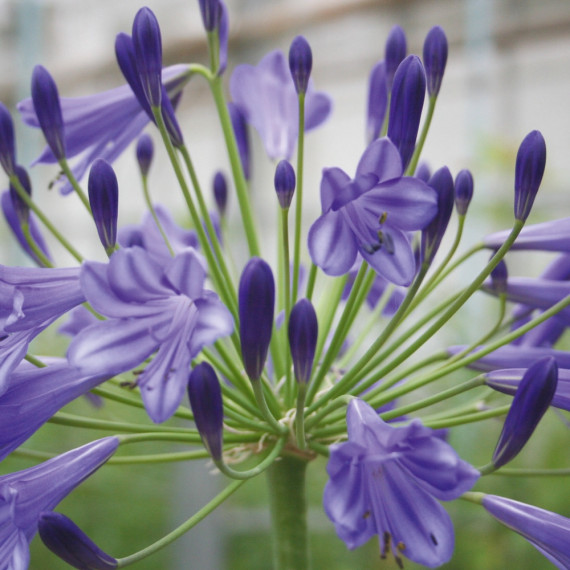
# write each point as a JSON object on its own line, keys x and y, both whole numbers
{"x": 382, "y": 218}
{"x": 433, "y": 539}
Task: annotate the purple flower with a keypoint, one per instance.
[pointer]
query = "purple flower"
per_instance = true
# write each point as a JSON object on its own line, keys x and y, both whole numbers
{"x": 7, "y": 144}
{"x": 66, "y": 540}
{"x": 548, "y": 532}
{"x": 300, "y": 63}
{"x": 303, "y": 333}
{"x": 531, "y": 160}
{"x": 385, "y": 480}
{"x": 101, "y": 125}
{"x": 21, "y": 208}
{"x": 144, "y": 152}
{"x": 25, "y": 494}
{"x": 377, "y": 101}
{"x": 371, "y": 215}
{"x": 435, "y": 58}
{"x": 532, "y": 398}
{"x": 463, "y": 191}
{"x": 211, "y": 14}
{"x": 284, "y": 182}
{"x": 104, "y": 201}
{"x": 220, "y": 189}
{"x": 150, "y": 307}
{"x": 267, "y": 97}
{"x": 241, "y": 134}
{"x": 395, "y": 52}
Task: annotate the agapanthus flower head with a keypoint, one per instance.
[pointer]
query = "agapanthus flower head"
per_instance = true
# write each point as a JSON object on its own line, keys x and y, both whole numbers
{"x": 406, "y": 104}
{"x": 395, "y": 52}
{"x": 7, "y": 142}
{"x": 284, "y": 181}
{"x": 147, "y": 42}
{"x": 24, "y": 495}
{"x": 104, "y": 200}
{"x": 220, "y": 189}
{"x": 435, "y": 58}
{"x": 463, "y": 191}
{"x": 531, "y": 160}
{"x": 45, "y": 97}
{"x": 211, "y": 11}
{"x": 303, "y": 333}
{"x": 267, "y": 98}
{"x": 151, "y": 307}
{"x": 377, "y": 101}
{"x": 21, "y": 209}
{"x": 300, "y": 63}
{"x": 256, "y": 301}
{"x": 67, "y": 541}
{"x": 241, "y": 134}
{"x": 145, "y": 153}
{"x": 548, "y": 532}
{"x": 387, "y": 480}
{"x": 371, "y": 214}
{"x": 206, "y": 402}
{"x": 532, "y": 398}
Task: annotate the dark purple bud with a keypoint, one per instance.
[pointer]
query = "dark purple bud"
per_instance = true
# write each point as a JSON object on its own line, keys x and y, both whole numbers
{"x": 256, "y": 308}
{"x": 20, "y": 207}
{"x": 211, "y": 13}
{"x": 48, "y": 110}
{"x": 499, "y": 277}
{"x": 303, "y": 333}
{"x": 377, "y": 101}
{"x": 220, "y": 186}
{"x": 223, "y": 34}
{"x": 148, "y": 49}
{"x": 395, "y": 52}
{"x": 169, "y": 117}
{"x": 241, "y": 133}
{"x": 531, "y": 400}
{"x": 66, "y": 540}
{"x": 206, "y": 401}
{"x": 284, "y": 183}
{"x": 104, "y": 200}
{"x": 145, "y": 152}
{"x": 442, "y": 182}
{"x": 7, "y": 144}
{"x": 300, "y": 63}
{"x": 463, "y": 191}
{"x": 423, "y": 172}
{"x": 531, "y": 160}
{"x": 408, "y": 93}
{"x": 435, "y": 58}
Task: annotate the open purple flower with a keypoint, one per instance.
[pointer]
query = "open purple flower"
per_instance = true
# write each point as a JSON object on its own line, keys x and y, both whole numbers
{"x": 267, "y": 98}
{"x": 151, "y": 307}
{"x": 371, "y": 215}
{"x": 101, "y": 125}
{"x": 25, "y": 494}
{"x": 548, "y": 532}
{"x": 385, "y": 480}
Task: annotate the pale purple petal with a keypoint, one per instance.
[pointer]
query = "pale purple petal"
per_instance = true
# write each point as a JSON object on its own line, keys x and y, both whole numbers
{"x": 381, "y": 158}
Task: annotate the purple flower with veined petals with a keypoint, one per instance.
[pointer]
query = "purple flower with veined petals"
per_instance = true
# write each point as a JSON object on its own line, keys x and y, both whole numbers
{"x": 25, "y": 494}
{"x": 371, "y": 215}
{"x": 266, "y": 96}
{"x": 387, "y": 480}
{"x": 151, "y": 307}
{"x": 548, "y": 532}
{"x": 101, "y": 125}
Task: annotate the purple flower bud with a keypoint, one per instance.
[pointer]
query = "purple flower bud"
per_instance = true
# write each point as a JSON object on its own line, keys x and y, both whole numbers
{"x": 435, "y": 58}
{"x": 442, "y": 182}
{"x": 148, "y": 49}
{"x": 169, "y": 117}
{"x": 7, "y": 145}
{"x": 66, "y": 540}
{"x": 145, "y": 152}
{"x": 48, "y": 110}
{"x": 408, "y": 93}
{"x": 104, "y": 200}
{"x": 303, "y": 332}
{"x": 531, "y": 400}
{"x": 531, "y": 159}
{"x": 395, "y": 52}
{"x": 241, "y": 133}
{"x": 211, "y": 13}
{"x": 499, "y": 277}
{"x": 220, "y": 192}
{"x": 377, "y": 101}
{"x": 284, "y": 183}
{"x": 423, "y": 172}
{"x": 206, "y": 401}
{"x": 463, "y": 191}
{"x": 20, "y": 207}
{"x": 300, "y": 63}
{"x": 256, "y": 308}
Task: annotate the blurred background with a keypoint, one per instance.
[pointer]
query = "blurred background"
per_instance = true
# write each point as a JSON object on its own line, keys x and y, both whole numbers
{"x": 508, "y": 72}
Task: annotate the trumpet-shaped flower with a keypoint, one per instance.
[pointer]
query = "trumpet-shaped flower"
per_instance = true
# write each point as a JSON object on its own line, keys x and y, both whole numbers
{"x": 267, "y": 98}
{"x": 150, "y": 307}
{"x": 371, "y": 215}
{"x": 385, "y": 480}
{"x": 24, "y": 495}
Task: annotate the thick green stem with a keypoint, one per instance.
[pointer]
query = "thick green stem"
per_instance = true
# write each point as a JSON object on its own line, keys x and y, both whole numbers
{"x": 286, "y": 479}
